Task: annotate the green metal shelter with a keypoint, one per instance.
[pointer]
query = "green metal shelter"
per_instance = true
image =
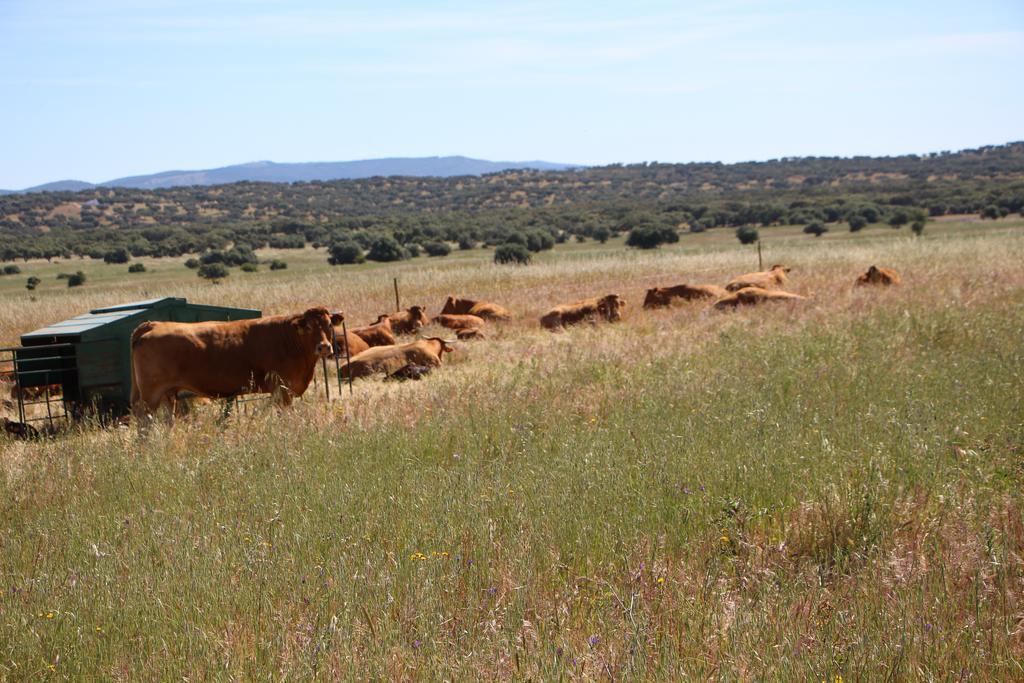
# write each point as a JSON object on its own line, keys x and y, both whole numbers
{"x": 90, "y": 355}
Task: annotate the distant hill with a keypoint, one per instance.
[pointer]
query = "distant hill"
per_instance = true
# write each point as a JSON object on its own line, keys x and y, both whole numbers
{"x": 271, "y": 172}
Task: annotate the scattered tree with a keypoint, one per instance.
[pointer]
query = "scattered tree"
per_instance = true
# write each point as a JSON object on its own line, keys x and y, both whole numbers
{"x": 747, "y": 234}
{"x": 816, "y": 228}
{"x": 651, "y": 236}
{"x": 857, "y": 222}
{"x": 386, "y": 248}
{"x": 214, "y": 272}
{"x": 512, "y": 253}
{"x": 917, "y": 227}
{"x": 118, "y": 255}
{"x": 32, "y": 283}
{"x": 137, "y": 268}
{"x": 11, "y": 270}
{"x": 249, "y": 267}
{"x": 278, "y": 264}
{"x": 76, "y": 279}
{"x": 437, "y": 249}
{"x": 192, "y": 263}
{"x": 345, "y": 252}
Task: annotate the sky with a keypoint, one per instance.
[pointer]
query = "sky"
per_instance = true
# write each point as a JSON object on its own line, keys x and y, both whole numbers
{"x": 99, "y": 89}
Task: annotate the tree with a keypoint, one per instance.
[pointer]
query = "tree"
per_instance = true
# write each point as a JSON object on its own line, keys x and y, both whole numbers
{"x": 32, "y": 283}
{"x": 601, "y": 234}
{"x": 214, "y": 272}
{"x": 137, "y": 268}
{"x": 747, "y": 234}
{"x": 917, "y": 227}
{"x": 386, "y": 248}
{"x": 512, "y": 253}
{"x": 651, "y": 236}
{"x": 12, "y": 270}
{"x": 857, "y": 223}
{"x": 538, "y": 240}
{"x": 76, "y": 279}
{"x": 816, "y": 228}
{"x": 899, "y": 218}
{"x": 278, "y": 264}
{"x": 437, "y": 249}
{"x": 119, "y": 255}
{"x": 344, "y": 252}
{"x": 192, "y": 263}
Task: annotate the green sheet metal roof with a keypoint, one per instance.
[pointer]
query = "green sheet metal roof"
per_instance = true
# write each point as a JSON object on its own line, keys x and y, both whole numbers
{"x": 82, "y": 323}
{"x": 148, "y": 303}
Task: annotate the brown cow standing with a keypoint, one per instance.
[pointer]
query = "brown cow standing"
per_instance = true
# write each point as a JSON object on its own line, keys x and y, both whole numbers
{"x": 408, "y": 321}
{"x": 225, "y": 359}
{"x": 775, "y": 278}
{"x": 659, "y": 297}
{"x": 481, "y": 309}
{"x": 755, "y": 295}
{"x": 607, "y": 307}
{"x": 879, "y": 276}
{"x": 377, "y": 334}
{"x": 455, "y": 321}
{"x": 388, "y": 359}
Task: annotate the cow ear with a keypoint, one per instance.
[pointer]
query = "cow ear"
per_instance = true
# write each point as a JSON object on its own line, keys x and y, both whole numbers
{"x": 300, "y": 325}
{"x": 337, "y": 318}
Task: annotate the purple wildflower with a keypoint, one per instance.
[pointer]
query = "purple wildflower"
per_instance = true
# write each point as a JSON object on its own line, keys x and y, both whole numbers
{"x": 593, "y": 640}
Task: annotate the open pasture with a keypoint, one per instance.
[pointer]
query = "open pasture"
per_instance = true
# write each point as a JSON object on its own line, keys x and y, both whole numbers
{"x": 800, "y": 491}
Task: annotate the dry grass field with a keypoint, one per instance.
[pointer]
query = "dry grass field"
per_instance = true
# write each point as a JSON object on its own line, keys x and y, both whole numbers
{"x": 800, "y": 491}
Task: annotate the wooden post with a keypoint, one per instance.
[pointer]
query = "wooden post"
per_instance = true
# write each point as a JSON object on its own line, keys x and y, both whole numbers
{"x": 760, "y": 266}
{"x": 348, "y": 358}
{"x": 398, "y": 305}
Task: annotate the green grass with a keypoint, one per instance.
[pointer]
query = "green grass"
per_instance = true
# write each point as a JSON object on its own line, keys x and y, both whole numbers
{"x": 780, "y": 501}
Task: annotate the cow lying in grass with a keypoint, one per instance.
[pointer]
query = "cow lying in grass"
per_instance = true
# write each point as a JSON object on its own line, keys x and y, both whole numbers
{"x": 607, "y": 308}
{"x": 481, "y": 309}
{"x": 408, "y": 321}
{"x": 879, "y": 276}
{"x": 659, "y": 297}
{"x": 775, "y": 278}
{"x": 388, "y": 359}
{"x": 377, "y": 334}
{"x": 457, "y": 322}
{"x": 749, "y": 296}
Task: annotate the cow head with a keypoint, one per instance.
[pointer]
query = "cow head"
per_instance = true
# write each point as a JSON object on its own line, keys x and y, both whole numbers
{"x": 611, "y": 307}
{"x": 444, "y": 345}
{"x": 318, "y": 323}
{"x": 381, "y": 318}
{"x": 779, "y": 266}
{"x": 418, "y": 316}
{"x": 655, "y": 297}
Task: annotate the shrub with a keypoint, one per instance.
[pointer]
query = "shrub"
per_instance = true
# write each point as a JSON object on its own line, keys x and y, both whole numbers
{"x": 990, "y": 211}
{"x": 412, "y": 249}
{"x": 602, "y": 234}
{"x": 697, "y": 226}
{"x": 512, "y": 253}
{"x": 917, "y": 227}
{"x": 747, "y": 234}
{"x": 278, "y": 264}
{"x": 899, "y": 218}
{"x": 466, "y": 243}
{"x": 539, "y": 240}
{"x": 385, "y": 249}
{"x": 192, "y": 263}
{"x": 32, "y": 283}
{"x": 345, "y": 252}
{"x": 651, "y": 236}
{"x": 437, "y": 249}
{"x": 137, "y": 268}
{"x": 249, "y": 267}
{"x": 857, "y": 223}
{"x": 12, "y": 270}
{"x": 816, "y": 228}
{"x": 215, "y": 272}
{"x": 76, "y": 279}
{"x": 119, "y": 255}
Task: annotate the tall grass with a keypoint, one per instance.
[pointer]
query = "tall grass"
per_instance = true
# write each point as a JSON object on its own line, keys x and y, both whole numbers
{"x": 796, "y": 493}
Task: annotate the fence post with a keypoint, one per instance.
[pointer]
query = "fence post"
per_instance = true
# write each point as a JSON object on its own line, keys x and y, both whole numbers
{"x": 348, "y": 358}
{"x": 398, "y": 305}
{"x": 760, "y": 266}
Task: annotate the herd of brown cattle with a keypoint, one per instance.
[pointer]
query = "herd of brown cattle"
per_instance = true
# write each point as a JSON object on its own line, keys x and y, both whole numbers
{"x": 279, "y": 354}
